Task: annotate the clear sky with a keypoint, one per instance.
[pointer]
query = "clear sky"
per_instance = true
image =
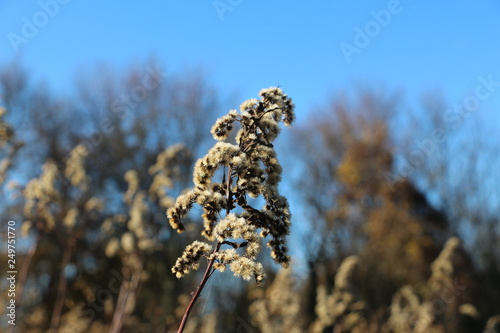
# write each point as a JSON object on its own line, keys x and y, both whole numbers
{"x": 311, "y": 49}
{"x": 243, "y": 45}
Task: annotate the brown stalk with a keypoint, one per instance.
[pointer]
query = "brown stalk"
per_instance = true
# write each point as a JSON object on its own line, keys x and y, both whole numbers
{"x": 209, "y": 270}
{"x": 62, "y": 286}
{"x": 25, "y": 268}
{"x": 128, "y": 288}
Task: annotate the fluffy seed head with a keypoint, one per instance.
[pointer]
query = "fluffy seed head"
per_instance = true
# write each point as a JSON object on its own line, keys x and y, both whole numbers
{"x": 249, "y": 167}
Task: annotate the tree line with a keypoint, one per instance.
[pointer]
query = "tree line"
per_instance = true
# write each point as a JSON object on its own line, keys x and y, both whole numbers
{"x": 380, "y": 247}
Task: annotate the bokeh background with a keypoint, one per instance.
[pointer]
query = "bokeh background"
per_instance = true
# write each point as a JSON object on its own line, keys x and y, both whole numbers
{"x": 391, "y": 167}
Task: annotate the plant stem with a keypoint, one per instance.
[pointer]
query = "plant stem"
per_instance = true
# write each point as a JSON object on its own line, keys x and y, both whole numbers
{"x": 209, "y": 270}
{"x": 25, "y": 268}
{"x": 197, "y": 293}
{"x": 130, "y": 284}
{"x": 62, "y": 286}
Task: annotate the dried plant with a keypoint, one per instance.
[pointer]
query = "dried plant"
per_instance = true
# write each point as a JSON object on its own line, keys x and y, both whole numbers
{"x": 440, "y": 303}
{"x": 250, "y": 168}
{"x": 58, "y": 203}
{"x": 139, "y": 237}
{"x": 278, "y": 308}
{"x": 342, "y": 309}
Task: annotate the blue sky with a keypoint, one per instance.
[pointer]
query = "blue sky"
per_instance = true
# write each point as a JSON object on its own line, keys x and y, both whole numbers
{"x": 422, "y": 46}
{"x": 248, "y": 45}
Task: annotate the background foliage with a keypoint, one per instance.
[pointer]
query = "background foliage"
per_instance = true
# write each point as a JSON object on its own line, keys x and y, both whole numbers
{"x": 88, "y": 178}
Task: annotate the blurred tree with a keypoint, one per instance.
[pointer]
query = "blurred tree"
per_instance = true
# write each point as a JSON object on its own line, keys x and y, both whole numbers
{"x": 455, "y": 160}
{"x": 357, "y": 208}
{"x": 98, "y": 168}
{"x": 81, "y": 203}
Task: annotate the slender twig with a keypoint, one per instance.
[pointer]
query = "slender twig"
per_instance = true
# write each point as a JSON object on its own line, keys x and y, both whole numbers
{"x": 209, "y": 271}
{"x": 228, "y": 190}
{"x": 25, "y": 268}
{"x": 62, "y": 286}
{"x": 197, "y": 293}
{"x": 128, "y": 288}
{"x": 122, "y": 299}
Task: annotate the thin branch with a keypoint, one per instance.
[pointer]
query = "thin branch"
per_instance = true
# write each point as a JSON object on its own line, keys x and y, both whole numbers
{"x": 61, "y": 288}
{"x": 235, "y": 245}
{"x": 23, "y": 275}
{"x": 197, "y": 293}
{"x": 128, "y": 288}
